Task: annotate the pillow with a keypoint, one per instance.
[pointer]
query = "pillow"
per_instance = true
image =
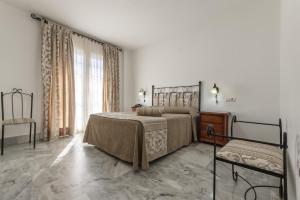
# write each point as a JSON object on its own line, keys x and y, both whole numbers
{"x": 161, "y": 99}
{"x": 177, "y": 110}
{"x": 180, "y": 99}
{"x": 167, "y": 99}
{"x": 173, "y": 99}
{"x": 149, "y": 111}
{"x": 155, "y": 99}
{"x": 187, "y": 99}
{"x": 195, "y": 101}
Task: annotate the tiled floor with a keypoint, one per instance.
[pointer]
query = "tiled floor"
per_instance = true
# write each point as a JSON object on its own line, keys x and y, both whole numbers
{"x": 68, "y": 169}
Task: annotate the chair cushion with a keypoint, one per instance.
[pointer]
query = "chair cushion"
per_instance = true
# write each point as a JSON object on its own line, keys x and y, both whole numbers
{"x": 258, "y": 155}
{"x": 17, "y": 121}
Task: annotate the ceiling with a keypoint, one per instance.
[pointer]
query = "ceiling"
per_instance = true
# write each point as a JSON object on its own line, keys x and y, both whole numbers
{"x": 132, "y": 23}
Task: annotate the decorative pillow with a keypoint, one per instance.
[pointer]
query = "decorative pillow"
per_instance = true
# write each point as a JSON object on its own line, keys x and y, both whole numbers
{"x": 161, "y": 99}
{"x": 180, "y": 100}
{"x": 155, "y": 99}
{"x": 187, "y": 99}
{"x": 173, "y": 99}
{"x": 149, "y": 111}
{"x": 167, "y": 99}
{"x": 195, "y": 101}
{"x": 177, "y": 110}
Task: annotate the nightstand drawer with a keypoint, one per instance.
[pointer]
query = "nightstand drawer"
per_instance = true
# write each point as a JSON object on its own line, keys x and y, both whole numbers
{"x": 220, "y": 123}
{"x": 219, "y": 128}
{"x": 212, "y": 119}
{"x": 219, "y": 140}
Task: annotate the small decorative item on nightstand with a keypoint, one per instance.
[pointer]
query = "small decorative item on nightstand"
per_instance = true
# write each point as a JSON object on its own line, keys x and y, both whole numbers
{"x": 220, "y": 123}
{"x": 133, "y": 108}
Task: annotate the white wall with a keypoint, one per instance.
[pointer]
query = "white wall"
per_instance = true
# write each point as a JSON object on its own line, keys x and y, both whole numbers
{"x": 239, "y": 50}
{"x": 20, "y": 59}
{"x": 128, "y": 81}
{"x": 290, "y": 82}
{"x": 20, "y": 52}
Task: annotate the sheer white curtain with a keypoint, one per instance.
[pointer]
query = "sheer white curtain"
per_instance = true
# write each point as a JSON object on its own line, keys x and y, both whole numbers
{"x": 88, "y": 75}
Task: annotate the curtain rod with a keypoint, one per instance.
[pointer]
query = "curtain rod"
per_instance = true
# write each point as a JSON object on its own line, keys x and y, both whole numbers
{"x": 40, "y": 18}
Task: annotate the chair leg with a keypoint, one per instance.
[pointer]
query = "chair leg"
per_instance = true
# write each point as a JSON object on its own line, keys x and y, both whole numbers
{"x": 29, "y": 132}
{"x": 234, "y": 174}
{"x": 281, "y": 188}
{"x": 2, "y": 140}
{"x": 285, "y": 188}
{"x": 214, "y": 179}
{"x": 214, "y": 184}
{"x": 34, "y": 134}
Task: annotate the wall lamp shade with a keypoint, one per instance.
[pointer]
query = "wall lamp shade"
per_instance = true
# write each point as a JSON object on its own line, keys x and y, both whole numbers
{"x": 215, "y": 91}
{"x": 142, "y": 92}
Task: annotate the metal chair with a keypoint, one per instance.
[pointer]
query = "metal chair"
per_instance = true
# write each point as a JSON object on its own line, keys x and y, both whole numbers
{"x": 265, "y": 157}
{"x": 20, "y": 119}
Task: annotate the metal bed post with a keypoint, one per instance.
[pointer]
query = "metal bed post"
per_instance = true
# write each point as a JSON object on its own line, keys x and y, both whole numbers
{"x": 152, "y": 93}
{"x": 2, "y": 135}
{"x": 280, "y": 129}
{"x": 30, "y": 124}
{"x": 34, "y": 134}
{"x": 284, "y": 166}
{"x": 2, "y": 106}
{"x": 199, "y": 97}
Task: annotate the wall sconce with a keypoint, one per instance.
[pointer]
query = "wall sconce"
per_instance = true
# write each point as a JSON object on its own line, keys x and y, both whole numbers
{"x": 142, "y": 92}
{"x": 215, "y": 91}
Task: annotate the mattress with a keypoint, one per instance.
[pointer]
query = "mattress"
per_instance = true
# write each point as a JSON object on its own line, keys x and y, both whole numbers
{"x": 124, "y": 136}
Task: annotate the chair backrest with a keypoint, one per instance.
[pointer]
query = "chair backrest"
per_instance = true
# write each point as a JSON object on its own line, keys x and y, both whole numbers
{"x": 16, "y": 94}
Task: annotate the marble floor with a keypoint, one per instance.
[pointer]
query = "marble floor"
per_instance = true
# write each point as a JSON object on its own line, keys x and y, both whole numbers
{"x": 68, "y": 169}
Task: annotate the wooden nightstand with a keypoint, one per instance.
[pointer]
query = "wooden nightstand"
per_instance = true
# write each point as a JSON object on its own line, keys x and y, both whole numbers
{"x": 220, "y": 123}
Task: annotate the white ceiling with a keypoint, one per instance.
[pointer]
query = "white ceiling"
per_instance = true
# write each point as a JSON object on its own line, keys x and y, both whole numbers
{"x": 133, "y": 23}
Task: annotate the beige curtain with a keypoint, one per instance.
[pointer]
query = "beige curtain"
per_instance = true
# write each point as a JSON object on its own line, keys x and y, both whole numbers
{"x": 110, "y": 78}
{"x": 58, "y": 81}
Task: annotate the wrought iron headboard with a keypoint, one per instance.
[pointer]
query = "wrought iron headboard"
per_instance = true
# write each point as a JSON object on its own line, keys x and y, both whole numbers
{"x": 14, "y": 92}
{"x": 178, "y": 89}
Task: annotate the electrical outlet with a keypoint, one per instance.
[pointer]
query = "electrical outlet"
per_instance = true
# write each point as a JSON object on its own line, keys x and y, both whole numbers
{"x": 230, "y": 99}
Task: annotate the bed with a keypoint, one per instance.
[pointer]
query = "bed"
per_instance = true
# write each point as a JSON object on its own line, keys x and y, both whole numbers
{"x": 142, "y": 139}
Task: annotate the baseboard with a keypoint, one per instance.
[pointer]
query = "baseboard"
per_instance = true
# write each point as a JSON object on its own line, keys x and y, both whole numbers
{"x": 21, "y": 139}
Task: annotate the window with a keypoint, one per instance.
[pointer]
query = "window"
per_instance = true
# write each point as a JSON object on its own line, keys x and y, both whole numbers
{"x": 88, "y": 75}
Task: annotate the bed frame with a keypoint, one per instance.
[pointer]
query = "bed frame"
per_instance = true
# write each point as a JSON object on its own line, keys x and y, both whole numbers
{"x": 177, "y": 89}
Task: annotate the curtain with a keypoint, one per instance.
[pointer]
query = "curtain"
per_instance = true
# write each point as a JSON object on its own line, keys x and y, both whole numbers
{"x": 88, "y": 70}
{"x": 58, "y": 81}
{"x": 111, "y": 79}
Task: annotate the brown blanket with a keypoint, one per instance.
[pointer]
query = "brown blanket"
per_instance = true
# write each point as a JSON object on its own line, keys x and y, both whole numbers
{"x": 123, "y": 135}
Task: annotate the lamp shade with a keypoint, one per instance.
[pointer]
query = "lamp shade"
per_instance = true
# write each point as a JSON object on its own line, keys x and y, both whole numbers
{"x": 215, "y": 89}
{"x": 141, "y": 92}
